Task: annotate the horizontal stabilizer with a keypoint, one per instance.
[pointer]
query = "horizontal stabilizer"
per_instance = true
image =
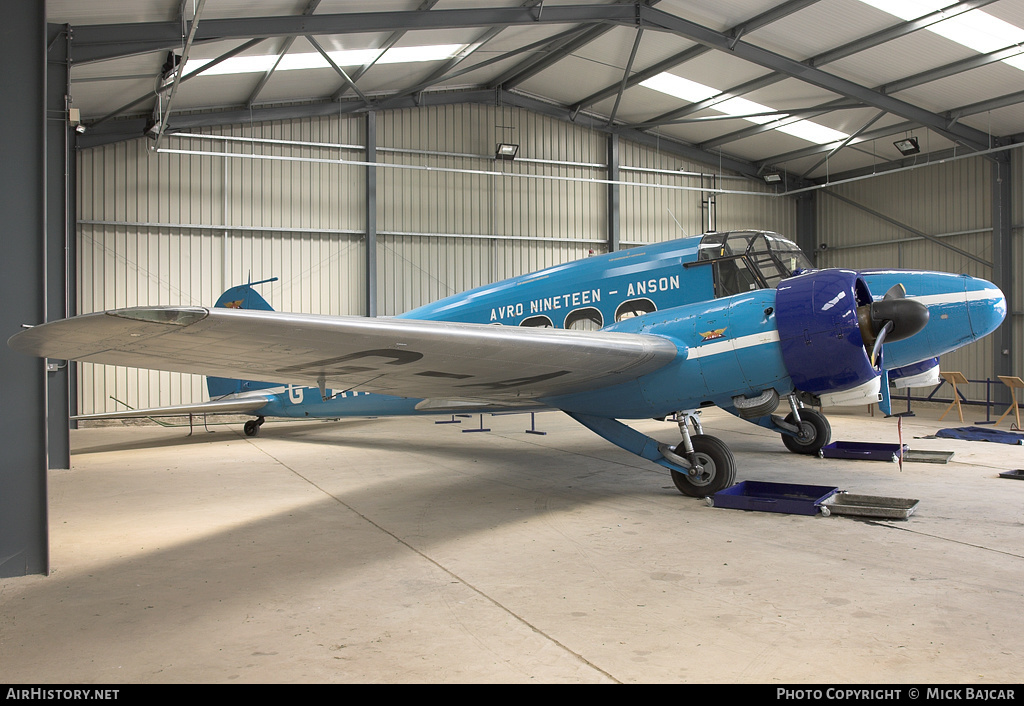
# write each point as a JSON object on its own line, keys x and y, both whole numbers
{"x": 233, "y": 406}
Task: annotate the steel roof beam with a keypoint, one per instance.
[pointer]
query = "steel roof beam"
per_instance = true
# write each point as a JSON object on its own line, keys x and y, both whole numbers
{"x": 764, "y": 19}
{"x": 149, "y": 95}
{"x": 99, "y": 42}
{"x": 391, "y": 41}
{"x": 285, "y": 48}
{"x": 952, "y": 115}
{"x": 874, "y": 119}
{"x": 895, "y": 86}
{"x": 533, "y": 66}
{"x": 814, "y": 76}
{"x": 886, "y": 35}
{"x": 387, "y": 101}
{"x": 889, "y": 131}
{"x": 164, "y": 112}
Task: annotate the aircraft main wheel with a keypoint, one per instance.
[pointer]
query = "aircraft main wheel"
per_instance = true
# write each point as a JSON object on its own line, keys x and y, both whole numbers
{"x": 717, "y": 462}
{"x": 251, "y": 428}
{"x": 815, "y": 432}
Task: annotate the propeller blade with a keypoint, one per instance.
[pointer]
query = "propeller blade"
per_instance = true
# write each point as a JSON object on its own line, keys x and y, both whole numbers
{"x": 875, "y": 349}
{"x": 897, "y": 291}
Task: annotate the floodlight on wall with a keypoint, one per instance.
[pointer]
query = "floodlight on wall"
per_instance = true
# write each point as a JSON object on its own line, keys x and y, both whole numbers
{"x": 506, "y": 150}
{"x": 908, "y": 146}
{"x": 772, "y": 178}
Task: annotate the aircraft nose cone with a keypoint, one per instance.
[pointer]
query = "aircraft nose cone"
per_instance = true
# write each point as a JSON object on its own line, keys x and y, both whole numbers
{"x": 986, "y": 306}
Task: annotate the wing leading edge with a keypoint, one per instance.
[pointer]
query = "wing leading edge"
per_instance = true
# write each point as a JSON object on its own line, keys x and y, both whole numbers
{"x": 403, "y": 357}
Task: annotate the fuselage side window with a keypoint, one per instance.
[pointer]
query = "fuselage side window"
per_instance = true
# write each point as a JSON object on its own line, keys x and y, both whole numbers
{"x": 634, "y": 307}
{"x": 537, "y": 322}
{"x": 586, "y": 319}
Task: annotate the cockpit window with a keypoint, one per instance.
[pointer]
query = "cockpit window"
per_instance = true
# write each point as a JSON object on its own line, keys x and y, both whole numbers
{"x": 749, "y": 260}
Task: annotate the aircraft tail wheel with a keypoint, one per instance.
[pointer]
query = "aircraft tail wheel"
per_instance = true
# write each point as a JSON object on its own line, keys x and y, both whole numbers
{"x": 251, "y": 428}
{"x": 717, "y": 468}
{"x": 815, "y": 432}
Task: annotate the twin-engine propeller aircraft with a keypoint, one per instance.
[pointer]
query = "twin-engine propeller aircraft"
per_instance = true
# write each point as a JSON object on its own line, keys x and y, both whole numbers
{"x": 740, "y": 320}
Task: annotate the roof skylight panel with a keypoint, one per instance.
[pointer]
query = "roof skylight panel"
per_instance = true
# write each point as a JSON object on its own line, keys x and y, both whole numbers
{"x": 974, "y": 29}
{"x": 748, "y": 110}
{"x": 313, "y": 60}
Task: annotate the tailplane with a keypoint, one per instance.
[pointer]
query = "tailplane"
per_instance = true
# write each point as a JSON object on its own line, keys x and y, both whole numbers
{"x": 241, "y": 297}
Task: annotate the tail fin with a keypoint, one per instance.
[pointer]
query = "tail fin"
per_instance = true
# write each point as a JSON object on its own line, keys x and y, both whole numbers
{"x": 245, "y": 297}
{"x": 241, "y": 297}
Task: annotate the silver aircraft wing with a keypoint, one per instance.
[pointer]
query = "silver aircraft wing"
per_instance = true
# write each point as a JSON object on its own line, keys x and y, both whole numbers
{"x": 404, "y": 357}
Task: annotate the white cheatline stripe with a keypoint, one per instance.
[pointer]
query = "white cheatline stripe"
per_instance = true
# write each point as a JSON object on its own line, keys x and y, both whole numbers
{"x": 732, "y": 344}
{"x": 975, "y": 295}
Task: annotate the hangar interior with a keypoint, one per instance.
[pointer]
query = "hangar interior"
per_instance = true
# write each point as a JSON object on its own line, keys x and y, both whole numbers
{"x": 348, "y": 149}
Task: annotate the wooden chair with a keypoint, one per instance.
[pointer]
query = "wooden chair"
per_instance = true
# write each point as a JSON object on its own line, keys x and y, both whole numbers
{"x": 954, "y": 379}
{"x": 1014, "y": 384}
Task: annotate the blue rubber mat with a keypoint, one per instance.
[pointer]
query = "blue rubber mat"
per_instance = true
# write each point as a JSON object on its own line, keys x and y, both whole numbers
{"x": 982, "y": 434}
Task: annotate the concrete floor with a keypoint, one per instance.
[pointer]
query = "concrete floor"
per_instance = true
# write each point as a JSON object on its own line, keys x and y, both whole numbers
{"x": 397, "y": 550}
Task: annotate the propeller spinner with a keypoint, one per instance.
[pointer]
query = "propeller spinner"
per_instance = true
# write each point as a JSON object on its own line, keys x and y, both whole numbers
{"x": 892, "y": 318}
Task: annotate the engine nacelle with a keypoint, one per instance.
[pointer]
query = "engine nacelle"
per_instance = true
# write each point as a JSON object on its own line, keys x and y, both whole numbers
{"x": 821, "y": 340}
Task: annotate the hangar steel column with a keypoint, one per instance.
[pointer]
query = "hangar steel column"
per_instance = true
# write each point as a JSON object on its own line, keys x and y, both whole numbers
{"x": 60, "y": 228}
{"x": 371, "y": 214}
{"x": 807, "y": 224}
{"x": 1002, "y": 265}
{"x": 23, "y": 529}
{"x": 614, "y": 226}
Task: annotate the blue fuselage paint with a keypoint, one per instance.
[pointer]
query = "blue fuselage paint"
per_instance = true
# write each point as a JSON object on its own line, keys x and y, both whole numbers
{"x": 726, "y": 347}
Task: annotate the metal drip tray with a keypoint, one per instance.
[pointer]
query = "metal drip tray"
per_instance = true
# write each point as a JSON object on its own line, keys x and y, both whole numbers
{"x": 868, "y": 506}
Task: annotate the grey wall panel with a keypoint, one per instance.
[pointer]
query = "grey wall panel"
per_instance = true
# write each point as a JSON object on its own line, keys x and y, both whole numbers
{"x": 451, "y": 217}
{"x": 667, "y": 198}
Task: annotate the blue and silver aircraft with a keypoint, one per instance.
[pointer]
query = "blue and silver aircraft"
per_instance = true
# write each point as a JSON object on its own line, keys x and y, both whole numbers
{"x": 739, "y": 320}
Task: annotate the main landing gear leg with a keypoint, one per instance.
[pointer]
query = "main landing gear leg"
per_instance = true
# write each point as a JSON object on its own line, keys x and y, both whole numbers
{"x": 804, "y": 430}
{"x": 701, "y": 465}
{"x": 252, "y": 427}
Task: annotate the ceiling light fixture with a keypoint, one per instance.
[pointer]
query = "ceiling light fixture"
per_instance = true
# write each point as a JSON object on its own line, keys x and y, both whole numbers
{"x": 908, "y": 146}
{"x": 772, "y": 178}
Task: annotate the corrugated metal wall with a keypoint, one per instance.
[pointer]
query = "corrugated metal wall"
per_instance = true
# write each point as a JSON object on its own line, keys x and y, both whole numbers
{"x": 675, "y": 198}
{"x": 443, "y": 231}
